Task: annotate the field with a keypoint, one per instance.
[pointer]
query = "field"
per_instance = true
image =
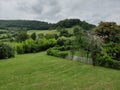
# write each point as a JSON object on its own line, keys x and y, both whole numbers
{"x": 70, "y": 30}
{"x": 41, "y": 72}
{"x": 42, "y": 31}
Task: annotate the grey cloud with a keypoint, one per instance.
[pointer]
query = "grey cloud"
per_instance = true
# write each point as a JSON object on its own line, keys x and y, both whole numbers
{"x": 92, "y": 11}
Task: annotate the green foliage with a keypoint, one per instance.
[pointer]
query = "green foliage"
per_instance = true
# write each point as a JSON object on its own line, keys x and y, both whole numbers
{"x": 68, "y": 23}
{"x": 22, "y": 36}
{"x": 20, "y": 48}
{"x": 6, "y": 51}
{"x": 57, "y": 53}
{"x": 63, "y": 41}
{"x": 31, "y": 46}
{"x": 51, "y": 36}
{"x": 113, "y": 50}
{"x": 27, "y": 24}
{"x": 34, "y": 36}
{"x": 81, "y": 37}
{"x": 44, "y": 44}
{"x": 41, "y": 35}
{"x": 107, "y": 61}
{"x": 108, "y": 31}
{"x": 64, "y": 32}
{"x": 27, "y": 46}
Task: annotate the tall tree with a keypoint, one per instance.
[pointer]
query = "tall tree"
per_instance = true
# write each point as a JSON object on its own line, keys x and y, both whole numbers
{"x": 34, "y": 36}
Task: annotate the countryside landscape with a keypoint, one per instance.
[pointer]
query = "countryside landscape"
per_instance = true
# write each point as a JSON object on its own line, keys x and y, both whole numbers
{"x": 72, "y": 53}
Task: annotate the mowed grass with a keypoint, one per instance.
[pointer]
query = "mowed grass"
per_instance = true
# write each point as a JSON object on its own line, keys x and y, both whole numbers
{"x": 41, "y": 72}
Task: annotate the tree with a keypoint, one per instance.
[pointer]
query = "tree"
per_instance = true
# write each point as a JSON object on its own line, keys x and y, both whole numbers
{"x": 108, "y": 31}
{"x": 94, "y": 47}
{"x": 34, "y": 36}
{"x": 64, "y": 32}
{"x": 22, "y": 36}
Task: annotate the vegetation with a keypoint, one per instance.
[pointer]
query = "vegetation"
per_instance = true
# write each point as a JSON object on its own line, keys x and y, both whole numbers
{"x": 6, "y": 51}
{"x": 109, "y": 32}
{"x": 68, "y": 23}
{"x": 34, "y": 36}
{"x": 57, "y": 53}
{"x": 100, "y": 44}
{"x": 24, "y": 24}
{"x": 71, "y": 39}
{"x": 31, "y": 46}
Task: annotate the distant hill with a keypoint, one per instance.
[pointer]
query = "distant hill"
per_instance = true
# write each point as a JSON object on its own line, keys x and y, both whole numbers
{"x": 68, "y": 23}
{"x": 40, "y": 25}
{"x": 27, "y": 24}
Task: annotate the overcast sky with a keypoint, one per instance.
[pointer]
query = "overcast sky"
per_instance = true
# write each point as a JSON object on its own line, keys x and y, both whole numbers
{"x": 92, "y": 11}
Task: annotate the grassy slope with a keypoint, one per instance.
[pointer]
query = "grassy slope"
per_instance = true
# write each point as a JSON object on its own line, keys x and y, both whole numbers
{"x": 42, "y": 72}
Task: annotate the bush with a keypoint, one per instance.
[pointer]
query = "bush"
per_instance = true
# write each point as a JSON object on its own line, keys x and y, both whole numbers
{"x": 22, "y": 36}
{"x": 6, "y": 51}
{"x": 64, "y": 33}
{"x": 44, "y": 44}
{"x": 27, "y": 46}
{"x": 31, "y": 46}
{"x": 57, "y": 53}
{"x": 20, "y": 48}
{"x": 107, "y": 61}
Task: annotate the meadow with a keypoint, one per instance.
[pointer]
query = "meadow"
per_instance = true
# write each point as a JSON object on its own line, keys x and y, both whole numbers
{"x": 41, "y": 72}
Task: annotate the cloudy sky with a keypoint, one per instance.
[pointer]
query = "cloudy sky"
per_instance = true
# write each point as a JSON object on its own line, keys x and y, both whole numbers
{"x": 92, "y": 11}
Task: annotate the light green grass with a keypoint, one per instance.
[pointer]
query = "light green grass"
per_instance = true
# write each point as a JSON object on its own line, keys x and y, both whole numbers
{"x": 42, "y": 31}
{"x": 42, "y": 72}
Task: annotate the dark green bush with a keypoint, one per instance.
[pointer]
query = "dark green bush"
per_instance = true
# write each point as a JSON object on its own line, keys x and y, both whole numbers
{"x": 107, "y": 61}
{"x": 57, "y": 53}
{"x": 6, "y": 51}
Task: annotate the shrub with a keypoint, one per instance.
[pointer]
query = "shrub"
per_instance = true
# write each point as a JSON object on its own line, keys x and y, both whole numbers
{"x": 20, "y": 48}
{"x": 44, "y": 44}
{"x": 31, "y": 46}
{"x": 22, "y": 36}
{"x": 64, "y": 33}
{"x": 57, "y": 53}
{"x": 6, "y": 51}
{"x": 27, "y": 46}
{"x": 107, "y": 61}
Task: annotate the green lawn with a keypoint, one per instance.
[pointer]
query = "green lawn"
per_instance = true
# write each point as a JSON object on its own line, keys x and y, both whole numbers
{"x": 41, "y": 72}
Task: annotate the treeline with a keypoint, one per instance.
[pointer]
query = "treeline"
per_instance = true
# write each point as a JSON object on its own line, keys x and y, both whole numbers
{"x": 24, "y": 24}
{"x": 39, "y": 25}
